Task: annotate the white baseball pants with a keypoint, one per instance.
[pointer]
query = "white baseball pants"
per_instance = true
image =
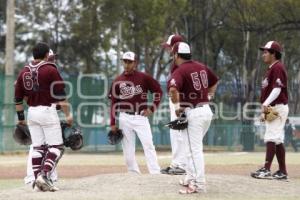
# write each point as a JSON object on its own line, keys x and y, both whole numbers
{"x": 178, "y": 154}
{"x": 199, "y": 120}
{"x": 44, "y": 126}
{"x": 275, "y": 129}
{"x": 133, "y": 125}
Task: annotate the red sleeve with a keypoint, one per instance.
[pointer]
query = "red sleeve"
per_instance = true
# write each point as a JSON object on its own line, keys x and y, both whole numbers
{"x": 156, "y": 90}
{"x": 212, "y": 78}
{"x": 19, "y": 90}
{"x": 112, "y": 95}
{"x": 175, "y": 81}
{"x": 279, "y": 79}
{"x": 112, "y": 111}
{"x": 58, "y": 85}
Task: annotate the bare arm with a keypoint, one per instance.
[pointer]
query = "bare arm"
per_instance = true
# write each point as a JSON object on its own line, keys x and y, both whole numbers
{"x": 174, "y": 95}
{"x": 65, "y": 106}
{"x": 212, "y": 91}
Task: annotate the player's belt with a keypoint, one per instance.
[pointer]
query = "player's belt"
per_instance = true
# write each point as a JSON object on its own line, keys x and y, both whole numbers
{"x": 197, "y": 106}
{"x": 277, "y": 104}
{"x": 132, "y": 113}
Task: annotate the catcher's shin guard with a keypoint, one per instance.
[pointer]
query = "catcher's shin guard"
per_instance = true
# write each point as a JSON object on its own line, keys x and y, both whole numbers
{"x": 52, "y": 157}
{"x": 38, "y": 155}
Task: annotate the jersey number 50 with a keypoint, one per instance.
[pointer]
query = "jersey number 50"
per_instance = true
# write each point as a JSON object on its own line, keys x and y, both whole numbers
{"x": 199, "y": 79}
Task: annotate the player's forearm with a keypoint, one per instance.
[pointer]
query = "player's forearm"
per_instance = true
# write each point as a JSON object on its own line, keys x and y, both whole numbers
{"x": 156, "y": 100}
{"x": 112, "y": 113}
{"x": 174, "y": 95}
{"x": 20, "y": 112}
{"x": 212, "y": 91}
{"x": 273, "y": 95}
{"x": 19, "y": 107}
{"x": 65, "y": 107}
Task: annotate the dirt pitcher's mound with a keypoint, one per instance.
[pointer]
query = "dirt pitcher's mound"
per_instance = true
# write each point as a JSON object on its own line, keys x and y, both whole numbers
{"x": 146, "y": 187}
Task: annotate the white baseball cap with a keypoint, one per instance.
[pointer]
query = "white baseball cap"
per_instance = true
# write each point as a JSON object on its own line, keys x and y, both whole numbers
{"x": 182, "y": 48}
{"x": 129, "y": 55}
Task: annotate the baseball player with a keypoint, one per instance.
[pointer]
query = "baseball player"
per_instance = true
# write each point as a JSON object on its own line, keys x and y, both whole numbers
{"x": 128, "y": 97}
{"x": 178, "y": 163}
{"x": 29, "y": 179}
{"x": 274, "y": 93}
{"x": 41, "y": 85}
{"x": 189, "y": 88}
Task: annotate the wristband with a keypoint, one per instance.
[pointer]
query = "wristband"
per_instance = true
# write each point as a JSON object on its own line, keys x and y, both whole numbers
{"x": 21, "y": 115}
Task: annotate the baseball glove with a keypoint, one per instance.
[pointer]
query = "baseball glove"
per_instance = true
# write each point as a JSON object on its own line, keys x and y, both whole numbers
{"x": 22, "y": 135}
{"x": 179, "y": 124}
{"x": 271, "y": 114}
{"x": 115, "y": 137}
{"x": 72, "y": 136}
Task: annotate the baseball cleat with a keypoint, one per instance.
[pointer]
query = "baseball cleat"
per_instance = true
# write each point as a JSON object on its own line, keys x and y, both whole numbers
{"x": 279, "y": 175}
{"x": 190, "y": 189}
{"x": 262, "y": 173}
{"x": 165, "y": 170}
{"x": 183, "y": 183}
{"x": 176, "y": 171}
{"x": 45, "y": 184}
{"x": 173, "y": 171}
{"x": 35, "y": 187}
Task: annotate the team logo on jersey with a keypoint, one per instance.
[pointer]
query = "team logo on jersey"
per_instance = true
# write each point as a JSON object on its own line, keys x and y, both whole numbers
{"x": 278, "y": 81}
{"x": 173, "y": 82}
{"x": 128, "y": 91}
{"x": 265, "y": 83}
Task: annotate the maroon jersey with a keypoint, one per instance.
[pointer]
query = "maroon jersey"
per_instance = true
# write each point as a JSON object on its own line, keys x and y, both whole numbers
{"x": 192, "y": 80}
{"x": 128, "y": 93}
{"x": 172, "y": 70}
{"x": 41, "y": 83}
{"x": 173, "y": 67}
{"x": 275, "y": 77}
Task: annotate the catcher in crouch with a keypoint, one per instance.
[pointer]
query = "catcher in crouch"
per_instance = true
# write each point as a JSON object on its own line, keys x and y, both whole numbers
{"x": 42, "y": 85}
{"x": 274, "y": 99}
{"x": 128, "y": 96}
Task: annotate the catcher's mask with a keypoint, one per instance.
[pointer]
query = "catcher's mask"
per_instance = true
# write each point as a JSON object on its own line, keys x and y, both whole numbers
{"x": 72, "y": 136}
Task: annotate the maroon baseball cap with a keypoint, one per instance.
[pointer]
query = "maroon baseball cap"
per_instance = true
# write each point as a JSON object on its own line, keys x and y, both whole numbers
{"x": 172, "y": 40}
{"x": 272, "y": 45}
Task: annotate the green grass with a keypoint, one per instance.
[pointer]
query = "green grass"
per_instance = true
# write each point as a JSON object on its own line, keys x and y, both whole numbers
{"x": 10, "y": 183}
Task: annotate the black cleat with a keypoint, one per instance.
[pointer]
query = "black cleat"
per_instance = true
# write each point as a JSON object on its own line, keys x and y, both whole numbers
{"x": 279, "y": 176}
{"x": 165, "y": 170}
{"x": 262, "y": 173}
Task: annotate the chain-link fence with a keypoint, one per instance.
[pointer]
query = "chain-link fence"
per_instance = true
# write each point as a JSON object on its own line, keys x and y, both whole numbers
{"x": 90, "y": 106}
